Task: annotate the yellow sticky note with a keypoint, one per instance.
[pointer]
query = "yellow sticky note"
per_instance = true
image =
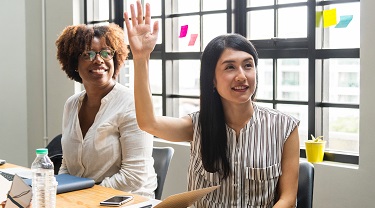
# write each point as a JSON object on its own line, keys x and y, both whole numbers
{"x": 329, "y": 17}
{"x": 318, "y": 18}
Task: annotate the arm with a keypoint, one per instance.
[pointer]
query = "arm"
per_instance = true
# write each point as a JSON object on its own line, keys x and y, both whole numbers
{"x": 288, "y": 182}
{"x": 142, "y": 42}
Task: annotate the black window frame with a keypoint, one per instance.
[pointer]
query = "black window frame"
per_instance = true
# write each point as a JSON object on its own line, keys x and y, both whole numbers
{"x": 273, "y": 48}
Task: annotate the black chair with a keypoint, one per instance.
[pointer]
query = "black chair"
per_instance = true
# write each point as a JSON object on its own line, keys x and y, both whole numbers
{"x": 305, "y": 185}
{"x": 55, "y": 152}
{"x": 162, "y": 157}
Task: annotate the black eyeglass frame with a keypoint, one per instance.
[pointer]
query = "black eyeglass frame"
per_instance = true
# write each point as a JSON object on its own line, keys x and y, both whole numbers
{"x": 110, "y": 55}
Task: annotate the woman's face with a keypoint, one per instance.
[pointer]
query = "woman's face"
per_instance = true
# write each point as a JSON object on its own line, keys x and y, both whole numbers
{"x": 96, "y": 72}
{"x": 235, "y": 76}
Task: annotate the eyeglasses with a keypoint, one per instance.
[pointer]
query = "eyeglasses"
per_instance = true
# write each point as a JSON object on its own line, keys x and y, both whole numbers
{"x": 106, "y": 55}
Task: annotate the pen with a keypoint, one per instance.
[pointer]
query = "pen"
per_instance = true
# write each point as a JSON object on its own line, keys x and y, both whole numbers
{"x": 147, "y": 206}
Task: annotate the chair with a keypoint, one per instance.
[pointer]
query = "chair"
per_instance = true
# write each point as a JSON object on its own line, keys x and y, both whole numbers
{"x": 162, "y": 157}
{"x": 55, "y": 152}
{"x": 305, "y": 185}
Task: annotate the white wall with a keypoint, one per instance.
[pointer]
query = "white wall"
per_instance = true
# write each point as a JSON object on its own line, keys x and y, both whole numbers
{"x": 21, "y": 111}
{"x": 13, "y": 99}
{"x": 22, "y": 123}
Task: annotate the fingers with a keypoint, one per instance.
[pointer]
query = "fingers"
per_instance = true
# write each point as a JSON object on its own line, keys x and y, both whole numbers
{"x": 155, "y": 29}
{"x": 138, "y": 18}
{"x": 140, "y": 12}
{"x": 132, "y": 11}
{"x": 148, "y": 14}
{"x": 126, "y": 18}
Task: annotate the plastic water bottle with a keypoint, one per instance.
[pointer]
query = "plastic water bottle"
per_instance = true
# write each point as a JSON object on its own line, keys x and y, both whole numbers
{"x": 43, "y": 181}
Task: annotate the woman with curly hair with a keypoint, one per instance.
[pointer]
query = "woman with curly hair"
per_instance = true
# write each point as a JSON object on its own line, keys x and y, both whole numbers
{"x": 100, "y": 135}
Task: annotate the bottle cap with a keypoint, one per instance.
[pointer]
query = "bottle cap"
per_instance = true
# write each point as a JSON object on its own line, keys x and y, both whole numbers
{"x": 41, "y": 151}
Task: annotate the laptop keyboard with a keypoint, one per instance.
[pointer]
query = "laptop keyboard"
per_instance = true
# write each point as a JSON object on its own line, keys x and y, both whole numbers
{"x": 7, "y": 176}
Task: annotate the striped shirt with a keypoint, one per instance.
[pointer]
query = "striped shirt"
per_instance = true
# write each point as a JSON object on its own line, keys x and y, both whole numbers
{"x": 255, "y": 162}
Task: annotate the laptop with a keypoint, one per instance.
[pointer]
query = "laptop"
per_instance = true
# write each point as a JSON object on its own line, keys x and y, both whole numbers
{"x": 66, "y": 182}
{"x": 9, "y": 173}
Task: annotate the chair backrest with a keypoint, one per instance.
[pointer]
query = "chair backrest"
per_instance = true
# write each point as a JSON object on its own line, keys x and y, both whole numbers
{"x": 305, "y": 185}
{"x": 162, "y": 157}
{"x": 55, "y": 152}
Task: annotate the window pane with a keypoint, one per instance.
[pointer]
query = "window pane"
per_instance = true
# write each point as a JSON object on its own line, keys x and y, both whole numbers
{"x": 255, "y": 3}
{"x": 292, "y": 22}
{"x": 343, "y": 132}
{"x": 341, "y": 81}
{"x": 189, "y": 71}
{"x": 300, "y": 112}
{"x": 187, "y": 105}
{"x": 155, "y": 7}
{"x": 260, "y": 25}
{"x": 155, "y": 76}
{"x": 267, "y": 105}
{"x": 158, "y": 105}
{"x": 214, "y": 5}
{"x": 97, "y": 10}
{"x": 265, "y": 79}
{"x": 340, "y": 35}
{"x": 211, "y": 29}
{"x": 290, "y": 1}
{"x": 181, "y": 44}
{"x": 292, "y": 81}
{"x": 183, "y": 6}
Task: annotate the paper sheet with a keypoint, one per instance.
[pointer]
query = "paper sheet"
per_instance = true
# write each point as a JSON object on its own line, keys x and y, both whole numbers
{"x": 4, "y": 188}
{"x": 185, "y": 199}
{"x": 152, "y": 202}
{"x": 20, "y": 192}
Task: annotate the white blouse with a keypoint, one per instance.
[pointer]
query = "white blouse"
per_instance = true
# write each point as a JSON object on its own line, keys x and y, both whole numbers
{"x": 115, "y": 152}
{"x": 255, "y": 162}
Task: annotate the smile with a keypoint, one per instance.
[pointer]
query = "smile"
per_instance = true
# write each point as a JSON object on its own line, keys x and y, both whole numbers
{"x": 240, "y": 87}
{"x": 99, "y": 71}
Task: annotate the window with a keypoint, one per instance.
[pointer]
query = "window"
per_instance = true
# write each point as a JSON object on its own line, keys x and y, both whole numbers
{"x": 307, "y": 66}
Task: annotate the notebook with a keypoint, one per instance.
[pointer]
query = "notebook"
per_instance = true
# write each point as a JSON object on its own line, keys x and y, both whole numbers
{"x": 181, "y": 200}
{"x": 67, "y": 183}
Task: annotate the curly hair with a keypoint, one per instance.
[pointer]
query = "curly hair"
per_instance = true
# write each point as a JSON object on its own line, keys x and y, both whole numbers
{"x": 77, "y": 38}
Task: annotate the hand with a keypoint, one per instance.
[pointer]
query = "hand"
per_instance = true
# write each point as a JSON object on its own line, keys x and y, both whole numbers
{"x": 141, "y": 39}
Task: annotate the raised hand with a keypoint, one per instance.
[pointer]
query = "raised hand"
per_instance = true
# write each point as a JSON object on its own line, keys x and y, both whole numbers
{"x": 141, "y": 39}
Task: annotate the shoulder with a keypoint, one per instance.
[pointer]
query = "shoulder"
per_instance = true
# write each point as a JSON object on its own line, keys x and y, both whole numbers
{"x": 121, "y": 95}
{"x": 72, "y": 100}
{"x": 119, "y": 88}
{"x": 274, "y": 114}
{"x": 194, "y": 116}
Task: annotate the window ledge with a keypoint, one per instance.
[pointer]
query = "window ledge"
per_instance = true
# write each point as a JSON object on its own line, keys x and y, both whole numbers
{"x": 335, "y": 164}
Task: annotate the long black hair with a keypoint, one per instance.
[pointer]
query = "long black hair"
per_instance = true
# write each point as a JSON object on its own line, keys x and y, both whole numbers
{"x": 215, "y": 156}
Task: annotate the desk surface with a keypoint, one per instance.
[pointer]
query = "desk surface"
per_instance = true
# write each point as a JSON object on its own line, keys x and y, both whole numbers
{"x": 90, "y": 197}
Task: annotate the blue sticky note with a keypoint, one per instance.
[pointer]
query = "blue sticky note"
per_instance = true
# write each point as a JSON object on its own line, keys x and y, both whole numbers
{"x": 344, "y": 21}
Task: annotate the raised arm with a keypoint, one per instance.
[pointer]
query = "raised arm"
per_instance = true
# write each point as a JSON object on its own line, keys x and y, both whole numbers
{"x": 142, "y": 42}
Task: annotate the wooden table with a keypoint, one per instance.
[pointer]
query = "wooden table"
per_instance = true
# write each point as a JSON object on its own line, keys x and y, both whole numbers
{"x": 89, "y": 198}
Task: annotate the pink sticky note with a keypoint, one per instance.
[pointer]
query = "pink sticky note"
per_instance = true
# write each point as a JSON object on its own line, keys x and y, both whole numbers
{"x": 183, "y": 31}
{"x": 193, "y": 38}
